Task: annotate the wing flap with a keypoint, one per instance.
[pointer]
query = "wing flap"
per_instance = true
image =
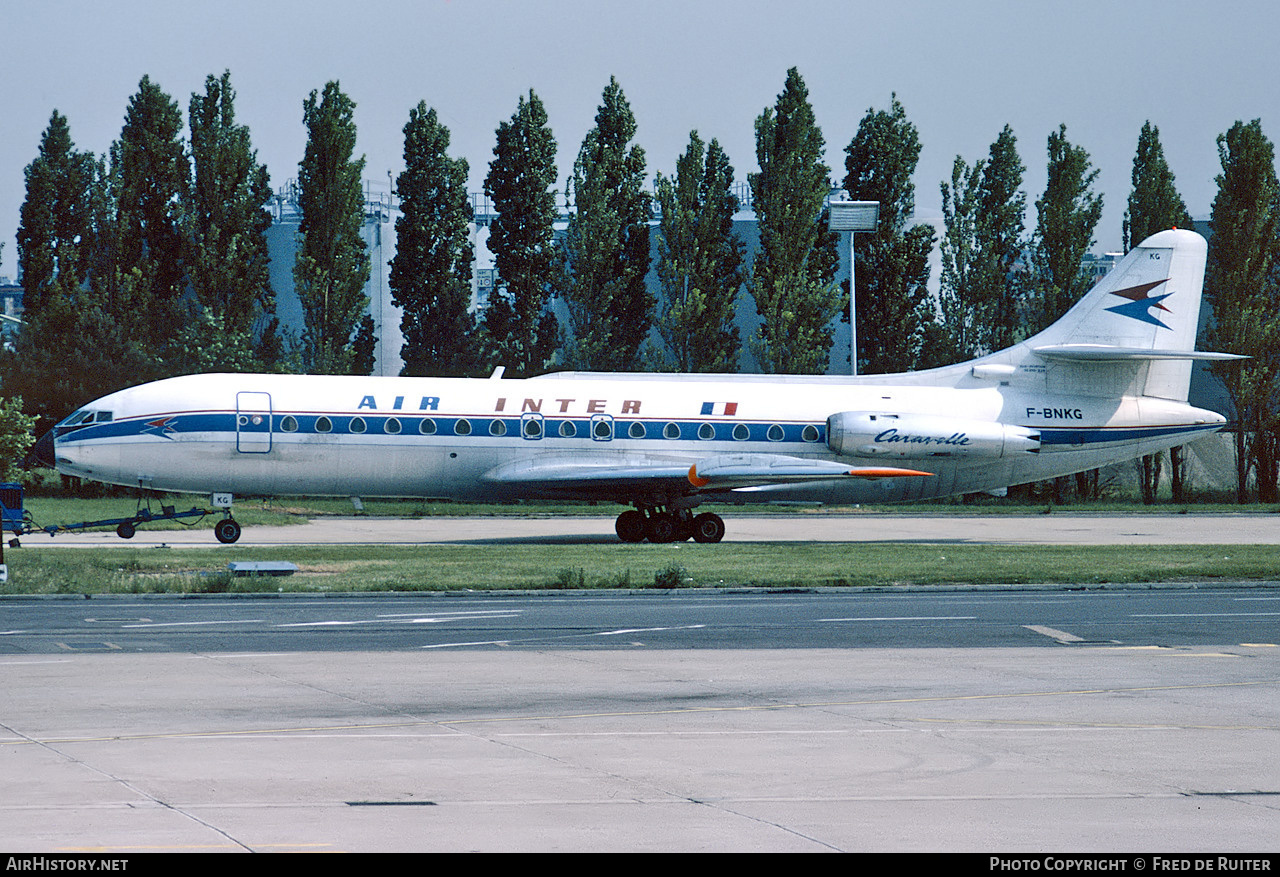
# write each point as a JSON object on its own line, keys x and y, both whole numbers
{"x": 752, "y": 470}
{"x": 620, "y": 472}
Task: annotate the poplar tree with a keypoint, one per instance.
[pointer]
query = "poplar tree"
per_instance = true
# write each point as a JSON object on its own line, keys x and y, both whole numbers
{"x": 983, "y": 209}
{"x": 1154, "y": 205}
{"x": 150, "y": 174}
{"x": 332, "y": 265}
{"x": 55, "y": 227}
{"x": 225, "y": 218}
{"x": 1241, "y": 284}
{"x": 432, "y": 269}
{"x": 699, "y": 260}
{"x": 1067, "y": 214}
{"x": 893, "y": 307}
{"x": 519, "y": 329}
{"x": 1002, "y": 210}
{"x": 92, "y": 324}
{"x": 1154, "y": 202}
{"x": 958, "y": 296}
{"x": 606, "y": 243}
{"x": 793, "y": 274}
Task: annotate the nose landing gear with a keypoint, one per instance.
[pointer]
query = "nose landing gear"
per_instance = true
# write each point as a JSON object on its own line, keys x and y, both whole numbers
{"x": 227, "y": 530}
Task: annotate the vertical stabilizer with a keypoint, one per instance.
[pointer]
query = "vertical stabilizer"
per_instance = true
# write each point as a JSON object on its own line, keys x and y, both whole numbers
{"x": 1141, "y": 317}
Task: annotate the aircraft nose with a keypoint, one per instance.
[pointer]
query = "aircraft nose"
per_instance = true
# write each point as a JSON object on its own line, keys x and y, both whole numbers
{"x": 43, "y": 452}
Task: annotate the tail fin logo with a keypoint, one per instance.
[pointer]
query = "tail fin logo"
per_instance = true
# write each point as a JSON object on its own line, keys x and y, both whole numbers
{"x": 1140, "y": 305}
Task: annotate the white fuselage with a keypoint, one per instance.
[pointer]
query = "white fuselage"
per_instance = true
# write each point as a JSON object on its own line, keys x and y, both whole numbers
{"x": 441, "y": 437}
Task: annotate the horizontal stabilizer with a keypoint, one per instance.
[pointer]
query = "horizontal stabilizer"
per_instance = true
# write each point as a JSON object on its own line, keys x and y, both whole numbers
{"x": 1106, "y": 353}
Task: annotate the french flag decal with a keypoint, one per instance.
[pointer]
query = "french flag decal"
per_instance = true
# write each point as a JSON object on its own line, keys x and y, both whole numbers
{"x": 726, "y": 409}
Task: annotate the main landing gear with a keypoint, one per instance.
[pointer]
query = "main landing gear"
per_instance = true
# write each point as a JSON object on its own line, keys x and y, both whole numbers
{"x": 636, "y": 525}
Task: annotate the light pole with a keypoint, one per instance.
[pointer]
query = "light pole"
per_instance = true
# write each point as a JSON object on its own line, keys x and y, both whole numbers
{"x": 853, "y": 216}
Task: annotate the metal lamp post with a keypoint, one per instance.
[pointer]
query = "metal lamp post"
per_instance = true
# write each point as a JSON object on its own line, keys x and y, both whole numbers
{"x": 853, "y": 216}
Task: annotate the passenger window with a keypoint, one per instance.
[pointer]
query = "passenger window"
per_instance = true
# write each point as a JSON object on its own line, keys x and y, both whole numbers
{"x": 602, "y": 430}
{"x": 391, "y": 426}
{"x": 740, "y": 432}
{"x": 775, "y": 433}
{"x": 636, "y": 430}
{"x": 462, "y": 427}
{"x": 810, "y": 433}
{"x": 497, "y": 427}
{"x": 357, "y": 425}
{"x": 567, "y": 429}
{"x": 427, "y": 426}
{"x": 323, "y": 424}
{"x": 671, "y": 431}
{"x": 706, "y": 432}
{"x": 533, "y": 428}
{"x": 288, "y": 423}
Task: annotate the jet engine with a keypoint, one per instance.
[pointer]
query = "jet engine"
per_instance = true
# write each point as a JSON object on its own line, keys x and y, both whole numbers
{"x": 919, "y": 436}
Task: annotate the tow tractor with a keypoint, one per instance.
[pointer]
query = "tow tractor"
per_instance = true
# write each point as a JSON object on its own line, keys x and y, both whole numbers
{"x": 15, "y": 519}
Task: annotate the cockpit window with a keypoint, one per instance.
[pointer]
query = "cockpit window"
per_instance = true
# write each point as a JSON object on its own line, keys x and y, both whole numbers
{"x": 86, "y": 416}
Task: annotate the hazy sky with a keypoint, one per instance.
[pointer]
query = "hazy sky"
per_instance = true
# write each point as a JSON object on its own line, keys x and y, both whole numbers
{"x": 962, "y": 69}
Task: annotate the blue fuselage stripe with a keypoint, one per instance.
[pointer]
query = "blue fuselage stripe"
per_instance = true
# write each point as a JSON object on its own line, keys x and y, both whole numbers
{"x": 482, "y": 428}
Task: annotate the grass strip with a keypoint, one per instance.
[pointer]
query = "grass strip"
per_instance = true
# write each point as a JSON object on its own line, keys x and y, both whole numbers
{"x": 336, "y": 569}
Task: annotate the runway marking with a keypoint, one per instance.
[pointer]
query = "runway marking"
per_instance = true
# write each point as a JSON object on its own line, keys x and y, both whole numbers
{"x": 471, "y": 613}
{"x": 24, "y": 663}
{"x": 152, "y": 848}
{"x": 492, "y": 642}
{"x": 908, "y": 618}
{"x": 436, "y": 618}
{"x": 777, "y": 707}
{"x": 1045, "y": 725}
{"x": 646, "y": 630}
{"x": 192, "y": 623}
{"x": 1060, "y": 635}
{"x": 1202, "y": 614}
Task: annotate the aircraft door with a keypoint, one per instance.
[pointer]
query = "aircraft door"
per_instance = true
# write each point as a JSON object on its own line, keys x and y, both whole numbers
{"x": 253, "y": 423}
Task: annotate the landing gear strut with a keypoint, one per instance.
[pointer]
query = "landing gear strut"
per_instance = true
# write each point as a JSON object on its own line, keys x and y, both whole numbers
{"x": 228, "y": 529}
{"x": 662, "y": 525}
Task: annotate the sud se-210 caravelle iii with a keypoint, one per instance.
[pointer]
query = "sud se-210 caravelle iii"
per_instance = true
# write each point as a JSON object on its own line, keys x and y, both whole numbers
{"x": 1106, "y": 383}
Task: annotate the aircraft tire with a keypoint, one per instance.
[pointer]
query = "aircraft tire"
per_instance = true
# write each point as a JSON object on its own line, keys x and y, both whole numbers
{"x": 630, "y": 526}
{"x": 661, "y": 528}
{"x": 227, "y": 531}
{"x": 125, "y": 530}
{"x": 708, "y": 527}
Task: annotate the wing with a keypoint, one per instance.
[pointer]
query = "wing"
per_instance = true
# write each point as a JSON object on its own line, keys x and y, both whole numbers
{"x": 618, "y": 474}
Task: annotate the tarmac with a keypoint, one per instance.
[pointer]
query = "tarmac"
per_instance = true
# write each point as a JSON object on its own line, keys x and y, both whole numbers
{"x": 1040, "y": 529}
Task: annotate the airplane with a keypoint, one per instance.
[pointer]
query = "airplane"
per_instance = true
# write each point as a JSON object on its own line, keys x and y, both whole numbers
{"x": 1107, "y": 382}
